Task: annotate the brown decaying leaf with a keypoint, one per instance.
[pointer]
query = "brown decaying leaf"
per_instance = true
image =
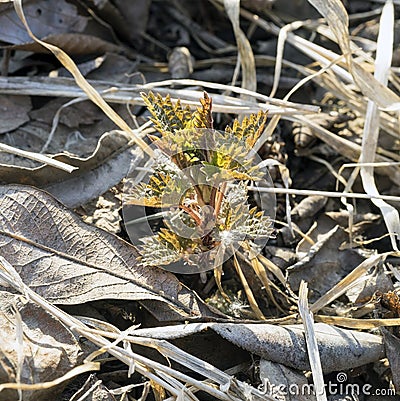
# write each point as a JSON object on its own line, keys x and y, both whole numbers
{"x": 69, "y": 262}
{"x": 14, "y": 112}
{"x": 392, "y": 344}
{"x": 72, "y": 43}
{"x": 49, "y": 349}
{"x": 324, "y": 260}
{"x": 45, "y": 18}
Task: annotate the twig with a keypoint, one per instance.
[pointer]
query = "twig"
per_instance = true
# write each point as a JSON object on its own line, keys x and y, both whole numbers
{"x": 37, "y": 157}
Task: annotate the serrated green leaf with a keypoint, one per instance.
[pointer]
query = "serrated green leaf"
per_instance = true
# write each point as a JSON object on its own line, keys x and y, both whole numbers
{"x": 202, "y": 117}
{"x": 250, "y": 129}
{"x": 167, "y": 117}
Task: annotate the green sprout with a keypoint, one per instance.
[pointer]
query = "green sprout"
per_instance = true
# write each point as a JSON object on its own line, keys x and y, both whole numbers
{"x": 200, "y": 176}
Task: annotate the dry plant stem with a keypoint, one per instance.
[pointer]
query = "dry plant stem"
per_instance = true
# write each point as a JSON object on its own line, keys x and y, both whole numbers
{"x": 128, "y": 356}
{"x": 329, "y": 194}
{"x": 329, "y": 167}
{"x": 37, "y": 157}
{"x": 78, "y": 370}
{"x": 311, "y": 342}
{"x": 213, "y": 195}
{"x": 234, "y": 89}
{"x": 66, "y": 87}
{"x": 200, "y": 198}
{"x": 360, "y": 324}
{"x": 19, "y": 333}
{"x": 75, "y": 324}
{"x": 191, "y": 213}
{"x": 319, "y": 53}
{"x": 170, "y": 351}
{"x": 249, "y": 293}
{"x": 195, "y": 186}
{"x": 56, "y": 119}
{"x": 220, "y": 197}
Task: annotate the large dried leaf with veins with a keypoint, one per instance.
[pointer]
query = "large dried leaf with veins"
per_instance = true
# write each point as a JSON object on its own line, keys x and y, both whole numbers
{"x": 69, "y": 262}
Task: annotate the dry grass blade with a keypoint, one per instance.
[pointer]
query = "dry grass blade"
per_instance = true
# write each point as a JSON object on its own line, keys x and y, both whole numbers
{"x": 311, "y": 341}
{"x": 337, "y": 18}
{"x": 331, "y": 194}
{"x": 359, "y": 324}
{"x": 90, "y": 91}
{"x": 246, "y": 55}
{"x": 318, "y": 53}
{"x": 37, "y": 157}
{"x": 249, "y": 293}
{"x": 230, "y": 88}
{"x": 279, "y": 53}
{"x": 78, "y": 370}
{"x": 371, "y": 127}
{"x": 273, "y": 268}
{"x": 263, "y": 277}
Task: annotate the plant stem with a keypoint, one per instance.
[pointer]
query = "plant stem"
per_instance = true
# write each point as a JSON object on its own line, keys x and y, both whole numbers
{"x": 219, "y": 198}
{"x": 191, "y": 213}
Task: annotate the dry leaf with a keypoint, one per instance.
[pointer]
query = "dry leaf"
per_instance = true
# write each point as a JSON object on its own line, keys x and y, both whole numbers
{"x": 69, "y": 262}
{"x": 109, "y": 163}
{"x": 392, "y": 344}
{"x": 45, "y": 18}
{"x": 135, "y": 16}
{"x": 340, "y": 349}
{"x": 49, "y": 349}
{"x": 324, "y": 260}
{"x": 14, "y": 112}
{"x": 308, "y": 207}
{"x": 72, "y": 43}
{"x": 279, "y": 375}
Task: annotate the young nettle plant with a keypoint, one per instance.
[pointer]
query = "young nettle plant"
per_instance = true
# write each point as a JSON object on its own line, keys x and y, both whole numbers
{"x": 199, "y": 179}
